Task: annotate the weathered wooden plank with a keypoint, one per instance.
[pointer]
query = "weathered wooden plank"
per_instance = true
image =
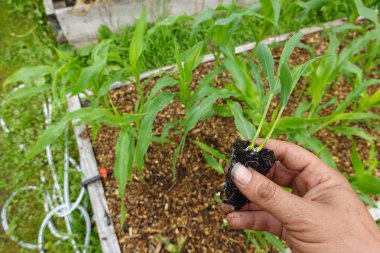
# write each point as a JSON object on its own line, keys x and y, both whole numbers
{"x": 49, "y": 7}
{"x": 80, "y": 24}
{"x": 103, "y": 219}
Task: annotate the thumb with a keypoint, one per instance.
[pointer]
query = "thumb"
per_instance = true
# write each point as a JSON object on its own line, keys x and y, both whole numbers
{"x": 265, "y": 193}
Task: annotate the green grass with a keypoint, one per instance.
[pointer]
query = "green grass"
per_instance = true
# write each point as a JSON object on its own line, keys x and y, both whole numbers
{"x": 26, "y": 40}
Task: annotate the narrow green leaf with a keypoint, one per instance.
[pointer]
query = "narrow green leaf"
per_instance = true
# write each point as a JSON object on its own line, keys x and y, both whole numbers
{"x": 123, "y": 159}
{"x": 289, "y": 47}
{"x": 286, "y": 84}
{"x": 366, "y": 12}
{"x": 88, "y": 76}
{"x": 27, "y": 92}
{"x": 352, "y": 131}
{"x": 276, "y": 6}
{"x": 312, "y": 4}
{"x": 245, "y": 128}
{"x": 211, "y": 162}
{"x": 357, "y": 162}
{"x": 28, "y": 74}
{"x": 211, "y": 151}
{"x": 267, "y": 63}
{"x": 137, "y": 43}
{"x": 165, "y": 81}
{"x": 367, "y": 184}
{"x": 204, "y": 88}
{"x": 275, "y": 242}
{"x": 207, "y": 15}
{"x": 316, "y": 146}
{"x": 241, "y": 77}
{"x": 168, "y": 21}
{"x": 353, "y": 95}
{"x": 373, "y": 100}
{"x": 145, "y": 135}
{"x": 367, "y": 200}
{"x": 46, "y": 138}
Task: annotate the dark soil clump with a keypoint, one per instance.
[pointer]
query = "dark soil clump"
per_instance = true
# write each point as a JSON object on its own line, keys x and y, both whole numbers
{"x": 261, "y": 161}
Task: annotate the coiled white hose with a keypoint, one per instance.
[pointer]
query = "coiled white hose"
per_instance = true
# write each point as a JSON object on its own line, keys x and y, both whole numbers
{"x": 56, "y": 204}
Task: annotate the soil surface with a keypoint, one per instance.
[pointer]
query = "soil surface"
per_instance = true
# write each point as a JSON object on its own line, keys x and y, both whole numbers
{"x": 157, "y": 205}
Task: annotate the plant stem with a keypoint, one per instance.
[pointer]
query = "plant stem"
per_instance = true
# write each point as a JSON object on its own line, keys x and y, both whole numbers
{"x": 271, "y": 130}
{"x": 261, "y": 122}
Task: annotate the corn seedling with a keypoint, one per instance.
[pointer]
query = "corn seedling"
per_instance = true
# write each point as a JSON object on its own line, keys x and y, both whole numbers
{"x": 190, "y": 60}
{"x": 213, "y": 157}
{"x": 200, "y": 106}
{"x": 363, "y": 180}
{"x": 284, "y": 82}
{"x": 135, "y": 51}
{"x": 172, "y": 248}
{"x": 262, "y": 241}
{"x": 329, "y": 67}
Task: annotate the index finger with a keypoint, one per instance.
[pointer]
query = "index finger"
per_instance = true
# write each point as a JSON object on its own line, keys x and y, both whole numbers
{"x": 294, "y": 157}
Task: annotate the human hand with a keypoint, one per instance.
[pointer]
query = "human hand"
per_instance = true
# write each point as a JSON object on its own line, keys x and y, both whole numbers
{"x": 322, "y": 214}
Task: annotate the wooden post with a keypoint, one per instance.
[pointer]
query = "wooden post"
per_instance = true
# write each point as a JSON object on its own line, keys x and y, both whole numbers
{"x": 102, "y": 216}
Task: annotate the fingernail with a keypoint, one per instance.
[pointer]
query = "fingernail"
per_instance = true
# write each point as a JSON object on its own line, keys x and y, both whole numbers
{"x": 241, "y": 174}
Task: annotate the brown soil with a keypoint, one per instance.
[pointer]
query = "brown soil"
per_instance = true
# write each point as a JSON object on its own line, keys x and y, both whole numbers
{"x": 156, "y": 205}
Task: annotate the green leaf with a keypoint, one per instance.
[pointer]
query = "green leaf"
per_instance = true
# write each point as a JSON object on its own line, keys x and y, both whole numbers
{"x": 353, "y": 95}
{"x": 211, "y": 162}
{"x": 274, "y": 241}
{"x": 192, "y": 59}
{"x": 367, "y": 184}
{"x": 46, "y": 138}
{"x": 366, "y": 12}
{"x": 373, "y": 100}
{"x": 137, "y": 43}
{"x": 241, "y": 76}
{"x": 286, "y": 84}
{"x": 88, "y": 75}
{"x": 289, "y": 47}
{"x": 211, "y": 151}
{"x": 207, "y": 15}
{"x": 124, "y": 159}
{"x": 312, "y": 4}
{"x": 357, "y": 162}
{"x": 352, "y": 131}
{"x": 288, "y": 123}
{"x": 367, "y": 200}
{"x": 267, "y": 63}
{"x": 204, "y": 88}
{"x": 165, "y": 81}
{"x": 145, "y": 135}
{"x": 28, "y": 74}
{"x": 85, "y": 116}
{"x": 245, "y": 128}
{"x": 316, "y": 146}
{"x": 194, "y": 115}
{"x": 27, "y": 92}
{"x": 168, "y": 21}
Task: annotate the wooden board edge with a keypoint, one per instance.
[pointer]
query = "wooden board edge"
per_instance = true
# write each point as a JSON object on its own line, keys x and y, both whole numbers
{"x": 102, "y": 216}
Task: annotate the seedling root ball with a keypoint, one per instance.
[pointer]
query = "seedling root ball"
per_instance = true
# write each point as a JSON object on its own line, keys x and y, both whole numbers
{"x": 261, "y": 161}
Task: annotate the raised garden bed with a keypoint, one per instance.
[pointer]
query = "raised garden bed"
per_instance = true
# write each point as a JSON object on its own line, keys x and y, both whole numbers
{"x": 78, "y": 22}
{"x": 188, "y": 207}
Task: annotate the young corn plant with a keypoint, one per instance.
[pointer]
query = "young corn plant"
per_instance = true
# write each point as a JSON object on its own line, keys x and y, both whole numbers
{"x": 263, "y": 241}
{"x": 213, "y": 157}
{"x": 200, "y": 107}
{"x": 283, "y": 82}
{"x": 364, "y": 181}
{"x": 329, "y": 68}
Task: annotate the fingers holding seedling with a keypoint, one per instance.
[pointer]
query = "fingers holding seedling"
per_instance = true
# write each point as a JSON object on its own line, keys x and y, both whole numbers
{"x": 257, "y": 220}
